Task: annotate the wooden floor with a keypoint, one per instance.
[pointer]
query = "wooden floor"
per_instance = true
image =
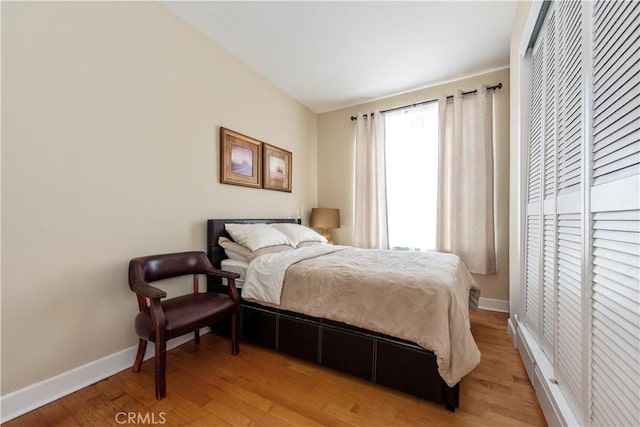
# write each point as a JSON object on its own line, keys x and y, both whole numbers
{"x": 206, "y": 386}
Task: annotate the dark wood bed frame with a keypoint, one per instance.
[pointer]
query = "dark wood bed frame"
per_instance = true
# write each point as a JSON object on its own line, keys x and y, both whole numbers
{"x": 385, "y": 360}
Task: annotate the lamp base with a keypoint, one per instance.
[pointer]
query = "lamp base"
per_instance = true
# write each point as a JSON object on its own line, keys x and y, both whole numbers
{"x": 327, "y": 235}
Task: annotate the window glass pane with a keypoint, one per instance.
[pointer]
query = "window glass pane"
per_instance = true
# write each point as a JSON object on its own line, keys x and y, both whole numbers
{"x": 411, "y": 140}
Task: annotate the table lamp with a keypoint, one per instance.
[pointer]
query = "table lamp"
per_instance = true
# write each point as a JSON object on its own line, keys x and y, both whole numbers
{"x": 325, "y": 218}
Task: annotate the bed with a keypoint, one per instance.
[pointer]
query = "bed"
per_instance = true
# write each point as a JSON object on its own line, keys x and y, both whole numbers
{"x": 331, "y": 336}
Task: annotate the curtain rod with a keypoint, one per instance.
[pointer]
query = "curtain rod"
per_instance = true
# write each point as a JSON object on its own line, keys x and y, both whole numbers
{"x": 494, "y": 87}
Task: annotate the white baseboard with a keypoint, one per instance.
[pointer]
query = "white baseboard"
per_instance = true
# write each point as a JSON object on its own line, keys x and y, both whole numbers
{"x": 556, "y": 409}
{"x": 493, "y": 304}
{"x": 36, "y": 395}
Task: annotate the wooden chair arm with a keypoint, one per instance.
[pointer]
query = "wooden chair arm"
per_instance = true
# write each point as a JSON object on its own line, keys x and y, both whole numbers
{"x": 233, "y": 291}
{"x": 231, "y": 282}
{"x": 146, "y": 290}
{"x": 212, "y": 271}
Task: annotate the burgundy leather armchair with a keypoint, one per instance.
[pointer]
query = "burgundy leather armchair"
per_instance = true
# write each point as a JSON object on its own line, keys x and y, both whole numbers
{"x": 161, "y": 320}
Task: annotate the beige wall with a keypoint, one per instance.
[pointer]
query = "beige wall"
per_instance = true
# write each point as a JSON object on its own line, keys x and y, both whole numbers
{"x": 336, "y": 135}
{"x": 110, "y": 119}
{"x": 517, "y": 31}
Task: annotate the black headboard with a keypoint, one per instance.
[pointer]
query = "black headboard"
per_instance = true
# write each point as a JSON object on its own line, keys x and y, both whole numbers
{"x": 215, "y": 229}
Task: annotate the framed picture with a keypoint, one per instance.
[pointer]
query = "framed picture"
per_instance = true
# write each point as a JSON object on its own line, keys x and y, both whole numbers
{"x": 240, "y": 159}
{"x": 277, "y": 168}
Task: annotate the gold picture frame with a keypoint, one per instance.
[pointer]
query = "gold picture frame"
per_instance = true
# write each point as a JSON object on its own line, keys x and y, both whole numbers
{"x": 276, "y": 168}
{"x": 240, "y": 159}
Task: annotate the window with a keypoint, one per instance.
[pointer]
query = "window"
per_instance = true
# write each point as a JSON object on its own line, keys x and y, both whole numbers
{"x": 411, "y": 140}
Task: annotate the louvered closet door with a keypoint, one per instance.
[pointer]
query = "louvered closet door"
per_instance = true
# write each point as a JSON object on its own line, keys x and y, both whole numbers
{"x": 615, "y": 213}
{"x": 549, "y": 276}
{"x": 569, "y": 363}
{"x": 534, "y": 195}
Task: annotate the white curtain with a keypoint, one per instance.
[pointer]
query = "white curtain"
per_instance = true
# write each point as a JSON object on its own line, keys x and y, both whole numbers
{"x": 370, "y": 208}
{"x": 465, "y": 194}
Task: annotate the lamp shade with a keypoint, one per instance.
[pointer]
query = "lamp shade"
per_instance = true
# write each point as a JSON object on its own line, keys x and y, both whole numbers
{"x": 325, "y": 218}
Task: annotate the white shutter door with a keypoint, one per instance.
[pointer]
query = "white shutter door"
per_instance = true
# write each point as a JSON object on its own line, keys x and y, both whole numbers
{"x": 582, "y": 275}
{"x": 616, "y": 88}
{"x": 534, "y": 193}
{"x": 533, "y": 272}
{"x": 615, "y": 205}
{"x": 549, "y": 278}
{"x": 569, "y": 201}
{"x": 550, "y": 134}
{"x": 569, "y": 306}
{"x": 571, "y": 96}
{"x": 615, "y": 338}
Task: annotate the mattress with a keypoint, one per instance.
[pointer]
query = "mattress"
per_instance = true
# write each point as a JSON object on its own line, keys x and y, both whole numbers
{"x": 239, "y": 267}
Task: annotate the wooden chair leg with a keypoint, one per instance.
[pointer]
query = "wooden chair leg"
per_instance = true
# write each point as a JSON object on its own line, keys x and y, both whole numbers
{"x": 161, "y": 363}
{"x": 142, "y": 347}
{"x": 235, "y": 342}
{"x": 197, "y": 336}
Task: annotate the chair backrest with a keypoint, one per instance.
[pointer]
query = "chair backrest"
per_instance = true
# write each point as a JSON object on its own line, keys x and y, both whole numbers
{"x": 157, "y": 267}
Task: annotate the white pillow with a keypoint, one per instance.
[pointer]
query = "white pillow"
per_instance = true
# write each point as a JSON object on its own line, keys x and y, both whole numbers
{"x": 235, "y": 256}
{"x": 231, "y": 246}
{"x": 238, "y": 252}
{"x": 256, "y": 236}
{"x": 298, "y": 233}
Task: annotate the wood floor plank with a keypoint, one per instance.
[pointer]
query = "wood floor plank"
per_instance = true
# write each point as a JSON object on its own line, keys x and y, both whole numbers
{"x": 226, "y": 416}
{"x": 55, "y": 413}
{"x": 207, "y": 386}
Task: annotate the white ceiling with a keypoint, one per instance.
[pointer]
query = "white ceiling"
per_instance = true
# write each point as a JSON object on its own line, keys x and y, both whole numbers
{"x": 330, "y": 55}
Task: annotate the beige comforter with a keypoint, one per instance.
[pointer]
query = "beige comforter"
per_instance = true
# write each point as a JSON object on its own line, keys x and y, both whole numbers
{"x": 416, "y": 296}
